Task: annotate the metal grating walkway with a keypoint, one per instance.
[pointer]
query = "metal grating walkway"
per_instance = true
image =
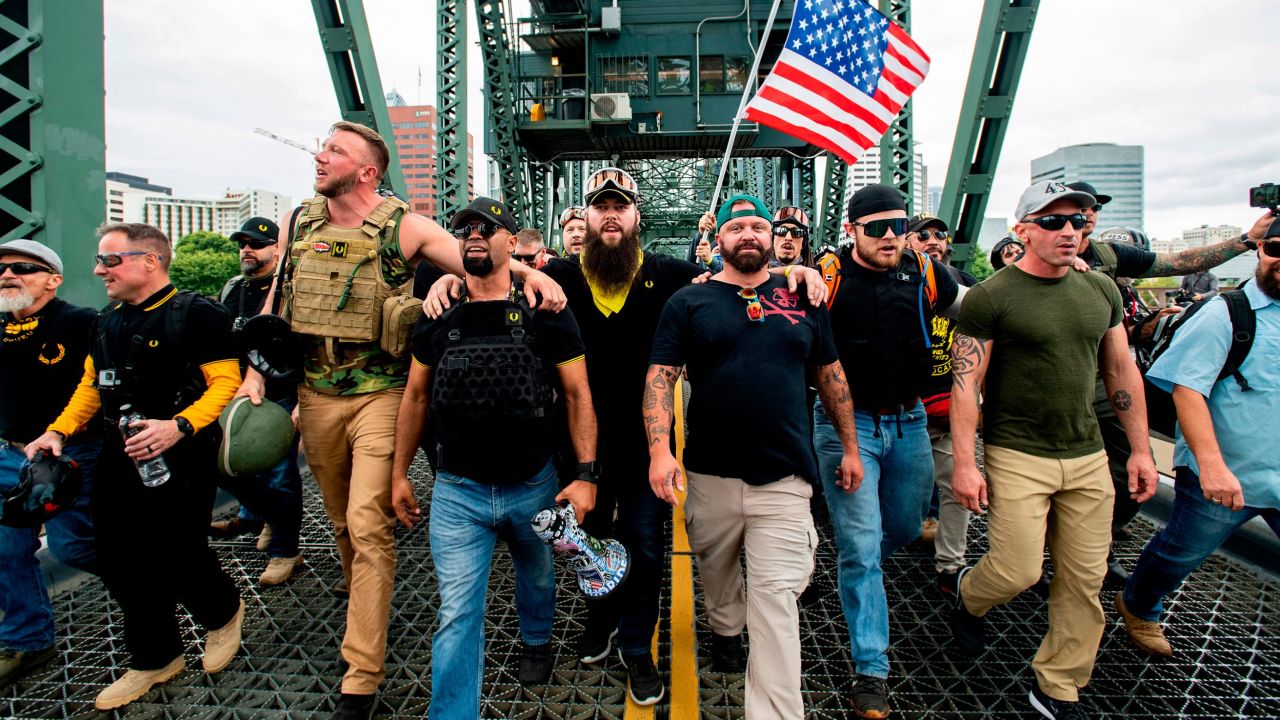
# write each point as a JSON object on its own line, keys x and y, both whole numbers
{"x": 1225, "y": 627}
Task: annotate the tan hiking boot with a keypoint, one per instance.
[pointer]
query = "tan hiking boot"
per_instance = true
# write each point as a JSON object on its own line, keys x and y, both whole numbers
{"x": 221, "y": 645}
{"x": 1145, "y": 635}
{"x": 136, "y": 683}
{"x": 279, "y": 569}
{"x": 929, "y": 530}
{"x": 264, "y": 538}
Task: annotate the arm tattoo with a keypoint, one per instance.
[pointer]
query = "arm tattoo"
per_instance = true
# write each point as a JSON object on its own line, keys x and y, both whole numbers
{"x": 1121, "y": 400}
{"x": 833, "y": 389}
{"x": 659, "y": 403}
{"x": 1194, "y": 259}
{"x": 966, "y": 356}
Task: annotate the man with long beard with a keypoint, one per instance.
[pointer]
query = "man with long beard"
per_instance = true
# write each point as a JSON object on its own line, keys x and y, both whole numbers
{"x": 885, "y": 303}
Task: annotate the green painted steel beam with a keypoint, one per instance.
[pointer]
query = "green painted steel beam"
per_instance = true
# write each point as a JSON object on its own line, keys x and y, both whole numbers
{"x": 500, "y": 105}
{"x": 453, "y": 156}
{"x": 897, "y": 147}
{"x": 348, "y": 50}
{"x": 806, "y": 181}
{"x": 999, "y": 53}
{"x": 831, "y": 220}
{"x": 52, "y": 134}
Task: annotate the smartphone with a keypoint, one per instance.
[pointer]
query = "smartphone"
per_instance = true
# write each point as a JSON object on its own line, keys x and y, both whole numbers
{"x": 1266, "y": 195}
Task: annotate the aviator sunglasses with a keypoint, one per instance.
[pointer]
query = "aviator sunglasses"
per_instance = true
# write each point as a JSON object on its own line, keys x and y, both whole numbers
{"x": 24, "y": 268}
{"x": 926, "y": 235}
{"x": 1057, "y": 222}
{"x": 878, "y": 228}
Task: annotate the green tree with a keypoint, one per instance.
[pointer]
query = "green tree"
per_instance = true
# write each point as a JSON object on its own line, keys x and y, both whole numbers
{"x": 203, "y": 262}
{"x": 979, "y": 265}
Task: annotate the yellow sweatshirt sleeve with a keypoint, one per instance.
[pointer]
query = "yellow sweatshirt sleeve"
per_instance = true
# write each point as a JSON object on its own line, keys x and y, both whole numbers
{"x": 221, "y": 379}
{"x": 83, "y": 405}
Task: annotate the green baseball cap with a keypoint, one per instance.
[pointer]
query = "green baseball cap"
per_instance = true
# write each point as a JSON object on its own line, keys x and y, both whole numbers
{"x": 727, "y": 212}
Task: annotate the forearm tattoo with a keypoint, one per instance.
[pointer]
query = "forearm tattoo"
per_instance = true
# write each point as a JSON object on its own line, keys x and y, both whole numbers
{"x": 1121, "y": 400}
{"x": 966, "y": 356}
{"x": 1194, "y": 259}
{"x": 659, "y": 403}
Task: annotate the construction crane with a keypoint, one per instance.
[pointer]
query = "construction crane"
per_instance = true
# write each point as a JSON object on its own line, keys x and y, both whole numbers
{"x": 286, "y": 141}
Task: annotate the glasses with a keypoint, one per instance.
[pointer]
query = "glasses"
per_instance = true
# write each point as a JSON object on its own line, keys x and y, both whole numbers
{"x": 532, "y": 257}
{"x": 1271, "y": 248}
{"x": 1057, "y": 222}
{"x": 571, "y": 214}
{"x": 618, "y": 178}
{"x": 926, "y": 235}
{"x": 486, "y": 230}
{"x": 877, "y": 228}
{"x": 255, "y": 244}
{"x": 755, "y": 311}
{"x": 111, "y": 260}
{"x": 788, "y": 229}
{"x": 24, "y": 268}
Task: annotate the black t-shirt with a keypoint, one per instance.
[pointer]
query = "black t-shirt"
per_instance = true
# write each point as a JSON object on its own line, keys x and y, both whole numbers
{"x": 245, "y": 298}
{"x": 1131, "y": 262}
{"x": 41, "y": 362}
{"x": 618, "y": 350}
{"x": 425, "y": 274}
{"x": 498, "y": 450}
{"x": 749, "y": 416}
{"x": 942, "y": 331}
{"x": 881, "y": 325}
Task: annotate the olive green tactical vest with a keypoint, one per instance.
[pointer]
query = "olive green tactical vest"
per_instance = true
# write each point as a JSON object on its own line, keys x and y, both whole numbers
{"x": 337, "y": 289}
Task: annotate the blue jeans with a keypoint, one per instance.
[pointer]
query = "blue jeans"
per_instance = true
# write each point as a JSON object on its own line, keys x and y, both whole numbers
{"x": 467, "y": 517}
{"x": 873, "y": 522}
{"x": 1196, "y": 528}
{"x": 27, "y": 622}
{"x": 274, "y": 497}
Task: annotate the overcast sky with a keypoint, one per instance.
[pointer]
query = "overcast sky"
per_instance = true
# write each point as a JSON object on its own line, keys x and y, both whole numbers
{"x": 1193, "y": 82}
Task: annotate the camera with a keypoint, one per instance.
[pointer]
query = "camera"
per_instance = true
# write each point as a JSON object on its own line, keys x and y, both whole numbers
{"x": 1177, "y": 298}
{"x": 1266, "y": 195}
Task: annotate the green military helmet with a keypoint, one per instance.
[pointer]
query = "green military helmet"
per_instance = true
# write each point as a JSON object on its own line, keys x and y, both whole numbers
{"x": 254, "y": 437}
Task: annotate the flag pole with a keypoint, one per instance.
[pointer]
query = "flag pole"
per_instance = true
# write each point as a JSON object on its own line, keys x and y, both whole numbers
{"x": 742, "y": 106}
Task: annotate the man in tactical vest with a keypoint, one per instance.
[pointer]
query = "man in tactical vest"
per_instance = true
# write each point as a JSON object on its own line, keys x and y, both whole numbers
{"x": 270, "y": 501}
{"x": 487, "y": 370}
{"x": 42, "y": 354}
{"x": 881, "y": 314}
{"x": 351, "y": 254}
{"x": 169, "y": 356}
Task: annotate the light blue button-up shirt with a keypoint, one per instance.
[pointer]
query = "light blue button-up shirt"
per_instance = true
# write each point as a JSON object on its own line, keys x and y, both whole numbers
{"x": 1244, "y": 422}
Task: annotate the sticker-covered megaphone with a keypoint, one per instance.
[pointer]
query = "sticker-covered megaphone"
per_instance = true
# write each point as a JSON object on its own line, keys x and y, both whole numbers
{"x": 601, "y": 565}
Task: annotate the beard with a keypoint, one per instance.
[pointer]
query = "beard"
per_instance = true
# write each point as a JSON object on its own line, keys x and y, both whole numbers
{"x": 478, "y": 266}
{"x": 871, "y": 256}
{"x": 251, "y": 266}
{"x": 1268, "y": 282}
{"x": 331, "y": 186}
{"x": 746, "y": 264}
{"x": 13, "y": 302}
{"x": 613, "y": 268}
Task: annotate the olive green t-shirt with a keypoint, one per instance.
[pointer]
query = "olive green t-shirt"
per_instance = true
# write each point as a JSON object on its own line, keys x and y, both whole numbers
{"x": 1045, "y": 334}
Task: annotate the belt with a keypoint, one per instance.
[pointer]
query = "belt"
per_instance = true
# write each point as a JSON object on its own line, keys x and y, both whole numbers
{"x": 896, "y": 409}
{"x": 14, "y": 445}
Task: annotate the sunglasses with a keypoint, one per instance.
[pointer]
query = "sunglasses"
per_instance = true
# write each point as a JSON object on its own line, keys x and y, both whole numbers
{"x": 755, "y": 311}
{"x": 620, "y": 180}
{"x": 111, "y": 260}
{"x": 24, "y": 268}
{"x": 571, "y": 214}
{"x": 255, "y": 244}
{"x": 789, "y": 229}
{"x": 485, "y": 228}
{"x": 533, "y": 257}
{"x": 926, "y": 235}
{"x": 1057, "y": 222}
{"x": 1270, "y": 248}
{"x": 878, "y": 228}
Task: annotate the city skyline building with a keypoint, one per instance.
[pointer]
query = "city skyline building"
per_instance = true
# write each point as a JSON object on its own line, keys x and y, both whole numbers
{"x": 127, "y": 196}
{"x": 414, "y": 129}
{"x": 178, "y": 217}
{"x": 1115, "y": 170}
{"x": 867, "y": 172}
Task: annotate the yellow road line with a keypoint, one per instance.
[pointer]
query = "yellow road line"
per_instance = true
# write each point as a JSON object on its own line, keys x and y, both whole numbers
{"x": 683, "y": 687}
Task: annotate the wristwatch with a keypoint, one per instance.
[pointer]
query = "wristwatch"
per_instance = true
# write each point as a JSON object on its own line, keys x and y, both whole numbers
{"x": 589, "y": 471}
{"x": 1247, "y": 242}
{"x": 184, "y": 426}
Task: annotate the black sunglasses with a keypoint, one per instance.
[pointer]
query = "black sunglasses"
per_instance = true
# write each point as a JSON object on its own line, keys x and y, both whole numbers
{"x": 1270, "y": 248}
{"x": 926, "y": 235}
{"x": 111, "y": 260}
{"x": 24, "y": 268}
{"x": 485, "y": 228}
{"x": 877, "y": 228}
{"x": 525, "y": 258}
{"x": 1057, "y": 222}
{"x": 255, "y": 244}
{"x": 788, "y": 229}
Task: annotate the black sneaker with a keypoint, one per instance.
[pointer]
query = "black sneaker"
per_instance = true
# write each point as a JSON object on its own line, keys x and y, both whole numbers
{"x": 946, "y": 583}
{"x": 644, "y": 684}
{"x": 1054, "y": 709}
{"x": 870, "y": 697}
{"x": 594, "y": 645}
{"x": 968, "y": 630}
{"x": 14, "y": 664}
{"x": 535, "y": 663}
{"x": 355, "y": 707}
{"x": 727, "y": 655}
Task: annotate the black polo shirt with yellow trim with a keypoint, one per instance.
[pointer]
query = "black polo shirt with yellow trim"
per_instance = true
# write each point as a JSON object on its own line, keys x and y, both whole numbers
{"x": 41, "y": 361}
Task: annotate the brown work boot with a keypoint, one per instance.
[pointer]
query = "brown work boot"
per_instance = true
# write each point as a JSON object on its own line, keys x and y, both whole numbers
{"x": 233, "y": 527}
{"x": 929, "y": 530}
{"x": 264, "y": 537}
{"x": 221, "y": 645}
{"x": 1144, "y": 634}
{"x": 136, "y": 683}
{"x": 279, "y": 569}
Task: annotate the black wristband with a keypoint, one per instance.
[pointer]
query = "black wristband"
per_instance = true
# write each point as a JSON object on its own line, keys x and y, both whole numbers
{"x": 184, "y": 426}
{"x": 589, "y": 472}
{"x": 1246, "y": 241}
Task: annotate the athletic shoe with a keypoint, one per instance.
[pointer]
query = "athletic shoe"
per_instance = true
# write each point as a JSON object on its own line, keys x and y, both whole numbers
{"x": 644, "y": 683}
{"x": 136, "y": 683}
{"x": 1145, "y": 635}
{"x": 594, "y": 645}
{"x": 968, "y": 630}
{"x": 279, "y": 569}
{"x": 1054, "y": 709}
{"x": 727, "y": 655}
{"x": 535, "y": 663}
{"x": 14, "y": 663}
{"x": 870, "y": 697}
{"x": 946, "y": 583}
{"x": 220, "y": 645}
{"x": 355, "y": 707}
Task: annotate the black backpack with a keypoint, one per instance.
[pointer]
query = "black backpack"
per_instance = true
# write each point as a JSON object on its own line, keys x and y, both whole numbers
{"x": 1161, "y": 415}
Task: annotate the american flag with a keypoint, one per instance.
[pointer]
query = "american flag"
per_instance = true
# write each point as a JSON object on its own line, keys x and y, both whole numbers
{"x": 842, "y": 78}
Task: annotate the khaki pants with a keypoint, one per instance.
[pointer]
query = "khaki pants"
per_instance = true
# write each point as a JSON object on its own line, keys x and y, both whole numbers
{"x": 953, "y": 519}
{"x": 349, "y": 441}
{"x": 1069, "y": 502}
{"x": 773, "y": 524}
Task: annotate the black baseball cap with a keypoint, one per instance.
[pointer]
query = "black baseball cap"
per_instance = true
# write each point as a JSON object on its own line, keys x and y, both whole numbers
{"x": 257, "y": 230}
{"x": 1086, "y": 187}
{"x": 921, "y": 221}
{"x": 488, "y": 209}
{"x": 1274, "y": 230}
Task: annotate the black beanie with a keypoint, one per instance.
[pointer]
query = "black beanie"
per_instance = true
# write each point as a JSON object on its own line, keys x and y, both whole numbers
{"x": 873, "y": 199}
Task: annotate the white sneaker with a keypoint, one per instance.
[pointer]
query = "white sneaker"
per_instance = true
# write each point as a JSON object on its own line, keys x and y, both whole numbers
{"x": 220, "y": 645}
{"x": 136, "y": 683}
{"x": 279, "y": 569}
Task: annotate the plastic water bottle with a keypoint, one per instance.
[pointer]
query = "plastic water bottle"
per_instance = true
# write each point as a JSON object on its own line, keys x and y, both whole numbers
{"x": 154, "y": 472}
